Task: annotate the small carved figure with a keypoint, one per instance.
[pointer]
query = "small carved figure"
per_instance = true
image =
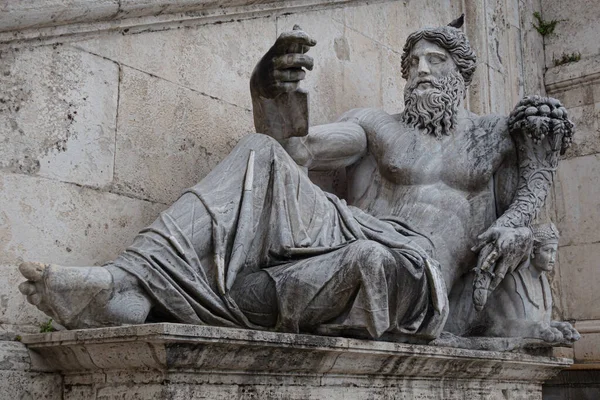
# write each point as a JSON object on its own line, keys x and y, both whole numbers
{"x": 256, "y": 244}
{"x": 522, "y": 304}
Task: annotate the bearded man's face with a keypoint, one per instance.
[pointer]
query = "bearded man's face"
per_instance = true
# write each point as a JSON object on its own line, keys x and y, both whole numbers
{"x": 434, "y": 90}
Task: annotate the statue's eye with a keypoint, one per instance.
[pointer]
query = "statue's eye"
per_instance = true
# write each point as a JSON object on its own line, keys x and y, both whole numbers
{"x": 435, "y": 59}
{"x": 414, "y": 61}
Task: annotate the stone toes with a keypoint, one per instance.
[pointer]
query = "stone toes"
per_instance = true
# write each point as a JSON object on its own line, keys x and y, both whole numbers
{"x": 27, "y": 288}
{"x": 32, "y": 271}
{"x": 558, "y": 336}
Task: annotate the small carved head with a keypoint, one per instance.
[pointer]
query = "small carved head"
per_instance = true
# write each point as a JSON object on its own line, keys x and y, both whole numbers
{"x": 441, "y": 42}
{"x": 545, "y": 244}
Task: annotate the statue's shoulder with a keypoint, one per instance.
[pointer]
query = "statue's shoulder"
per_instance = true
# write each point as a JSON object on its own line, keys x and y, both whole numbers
{"x": 365, "y": 116}
{"x": 491, "y": 123}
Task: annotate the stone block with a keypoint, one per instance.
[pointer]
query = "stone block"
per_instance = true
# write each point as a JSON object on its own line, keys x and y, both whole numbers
{"x": 579, "y": 280}
{"x": 576, "y": 197}
{"x": 58, "y": 114}
{"x": 24, "y": 14}
{"x": 587, "y": 130}
{"x": 17, "y": 382}
{"x": 214, "y": 58}
{"x": 325, "y": 83}
{"x": 47, "y": 221}
{"x": 577, "y": 92}
{"x": 186, "y": 361}
{"x": 389, "y": 23}
{"x": 392, "y": 83}
{"x": 362, "y": 76}
{"x": 532, "y": 47}
{"x": 577, "y": 189}
{"x": 170, "y": 137}
{"x": 577, "y": 30}
{"x": 587, "y": 350}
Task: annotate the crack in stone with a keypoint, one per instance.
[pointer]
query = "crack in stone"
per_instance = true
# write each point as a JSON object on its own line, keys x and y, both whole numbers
{"x": 164, "y": 79}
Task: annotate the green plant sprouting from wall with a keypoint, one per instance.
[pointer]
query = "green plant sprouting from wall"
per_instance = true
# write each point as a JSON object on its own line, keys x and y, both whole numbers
{"x": 47, "y": 327}
{"x": 567, "y": 58}
{"x": 545, "y": 28}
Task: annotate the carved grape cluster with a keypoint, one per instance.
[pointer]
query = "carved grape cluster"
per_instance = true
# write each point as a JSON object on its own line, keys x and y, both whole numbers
{"x": 540, "y": 117}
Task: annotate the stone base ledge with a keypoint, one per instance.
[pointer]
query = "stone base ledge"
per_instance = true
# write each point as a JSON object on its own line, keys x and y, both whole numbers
{"x": 187, "y": 361}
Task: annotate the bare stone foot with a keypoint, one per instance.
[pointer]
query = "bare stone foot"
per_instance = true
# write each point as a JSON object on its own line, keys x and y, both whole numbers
{"x": 83, "y": 297}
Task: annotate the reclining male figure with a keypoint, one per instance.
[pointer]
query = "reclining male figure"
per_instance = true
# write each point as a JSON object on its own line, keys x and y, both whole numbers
{"x": 256, "y": 244}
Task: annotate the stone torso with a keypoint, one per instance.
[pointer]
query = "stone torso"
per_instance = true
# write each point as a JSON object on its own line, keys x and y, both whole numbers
{"x": 442, "y": 188}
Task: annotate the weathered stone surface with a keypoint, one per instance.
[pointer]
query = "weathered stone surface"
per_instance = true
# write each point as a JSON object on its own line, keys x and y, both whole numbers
{"x": 213, "y": 59}
{"x": 577, "y": 200}
{"x": 206, "y": 362}
{"x": 32, "y": 13}
{"x": 58, "y": 114}
{"x": 190, "y": 134}
{"x": 579, "y": 280}
{"x": 48, "y": 221}
{"x": 587, "y": 121}
{"x": 577, "y": 30}
{"x": 17, "y": 382}
{"x": 331, "y": 53}
{"x": 573, "y": 383}
{"x": 587, "y": 351}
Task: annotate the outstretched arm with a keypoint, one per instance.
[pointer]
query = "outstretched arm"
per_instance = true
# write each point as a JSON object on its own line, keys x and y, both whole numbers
{"x": 328, "y": 147}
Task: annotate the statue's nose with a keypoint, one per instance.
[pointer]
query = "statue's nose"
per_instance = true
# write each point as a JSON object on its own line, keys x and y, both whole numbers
{"x": 423, "y": 67}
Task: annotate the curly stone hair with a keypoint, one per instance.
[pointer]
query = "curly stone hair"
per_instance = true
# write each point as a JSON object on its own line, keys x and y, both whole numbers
{"x": 451, "y": 39}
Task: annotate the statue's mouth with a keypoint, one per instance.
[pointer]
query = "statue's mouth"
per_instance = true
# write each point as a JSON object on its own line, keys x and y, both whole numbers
{"x": 424, "y": 83}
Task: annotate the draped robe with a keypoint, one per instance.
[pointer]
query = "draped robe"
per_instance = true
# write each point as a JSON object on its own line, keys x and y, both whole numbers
{"x": 332, "y": 266}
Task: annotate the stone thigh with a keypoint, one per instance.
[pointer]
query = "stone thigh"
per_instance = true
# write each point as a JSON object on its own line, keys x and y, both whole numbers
{"x": 363, "y": 286}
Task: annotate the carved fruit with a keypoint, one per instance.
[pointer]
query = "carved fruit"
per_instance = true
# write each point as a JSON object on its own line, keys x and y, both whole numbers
{"x": 531, "y": 111}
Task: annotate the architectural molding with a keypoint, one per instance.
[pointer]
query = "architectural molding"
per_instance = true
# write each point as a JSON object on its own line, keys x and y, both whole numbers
{"x": 564, "y": 77}
{"x": 49, "y": 19}
{"x": 589, "y": 326}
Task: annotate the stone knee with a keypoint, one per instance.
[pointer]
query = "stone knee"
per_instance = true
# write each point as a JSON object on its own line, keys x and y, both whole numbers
{"x": 371, "y": 256}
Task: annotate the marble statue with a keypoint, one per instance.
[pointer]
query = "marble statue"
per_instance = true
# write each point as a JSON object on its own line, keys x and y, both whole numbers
{"x": 522, "y": 304}
{"x": 433, "y": 193}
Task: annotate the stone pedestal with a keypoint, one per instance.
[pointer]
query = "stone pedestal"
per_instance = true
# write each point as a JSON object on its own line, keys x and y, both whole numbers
{"x": 171, "y": 361}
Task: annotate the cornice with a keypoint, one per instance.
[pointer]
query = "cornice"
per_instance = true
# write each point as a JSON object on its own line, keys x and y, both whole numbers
{"x": 565, "y": 77}
{"x": 42, "y": 19}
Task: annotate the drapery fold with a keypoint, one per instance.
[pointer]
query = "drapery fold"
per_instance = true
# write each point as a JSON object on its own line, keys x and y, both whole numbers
{"x": 258, "y": 211}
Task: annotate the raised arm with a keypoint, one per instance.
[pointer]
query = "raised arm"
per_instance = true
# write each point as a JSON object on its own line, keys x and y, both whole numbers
{"x": 279, "y": 106}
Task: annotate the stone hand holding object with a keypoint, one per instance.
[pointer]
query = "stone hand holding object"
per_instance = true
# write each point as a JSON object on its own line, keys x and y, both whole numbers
{"x": 540, "y": 117}
{"x": 283, "y": 67}
{"x": 501, "y": 249}
{"x": 280, "y": 106}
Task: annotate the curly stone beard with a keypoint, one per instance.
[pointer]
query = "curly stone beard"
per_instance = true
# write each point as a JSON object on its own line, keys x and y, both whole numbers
{"x": 434, "y": 109}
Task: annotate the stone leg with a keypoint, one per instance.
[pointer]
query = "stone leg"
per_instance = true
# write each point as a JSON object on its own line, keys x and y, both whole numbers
{"x": 248, "y": 211}
{"x": 363, "y": 289}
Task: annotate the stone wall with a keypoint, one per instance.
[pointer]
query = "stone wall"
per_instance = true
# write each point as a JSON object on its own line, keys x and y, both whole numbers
{"x": 106, "y": 118}
{"x": 108, "y": 110}
{"x": 577, "y": 188}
